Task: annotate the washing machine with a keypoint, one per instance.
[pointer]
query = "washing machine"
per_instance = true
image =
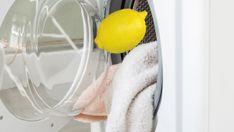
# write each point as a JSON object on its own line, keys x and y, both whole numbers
{"x": 48, "y": 45}
{"x": 48, "y": 57}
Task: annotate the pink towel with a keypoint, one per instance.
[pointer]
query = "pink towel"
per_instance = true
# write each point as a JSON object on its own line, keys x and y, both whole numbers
{"x": 93, "y": 98}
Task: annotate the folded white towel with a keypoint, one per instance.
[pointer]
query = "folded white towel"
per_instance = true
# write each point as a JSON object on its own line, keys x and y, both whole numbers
{"x": 132, "y": 91}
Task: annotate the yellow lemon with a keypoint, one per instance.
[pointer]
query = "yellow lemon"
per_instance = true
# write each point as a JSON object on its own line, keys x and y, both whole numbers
{"x": 121, "y": 31}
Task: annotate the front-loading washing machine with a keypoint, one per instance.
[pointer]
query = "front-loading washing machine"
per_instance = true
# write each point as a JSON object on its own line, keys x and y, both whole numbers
{"x": 48, "y": 57}
{"x": 51, "y": 43}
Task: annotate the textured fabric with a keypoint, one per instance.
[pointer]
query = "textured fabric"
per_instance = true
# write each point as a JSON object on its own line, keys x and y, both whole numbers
{"x": 132, "y": 91}
{"x": 124, "y": 91}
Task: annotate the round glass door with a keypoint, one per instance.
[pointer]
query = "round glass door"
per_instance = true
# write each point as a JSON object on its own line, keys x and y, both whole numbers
{"x": 48, "y": 57}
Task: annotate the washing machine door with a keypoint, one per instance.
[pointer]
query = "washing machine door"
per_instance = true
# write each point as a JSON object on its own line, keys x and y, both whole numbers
{"x": 48, "y": 57}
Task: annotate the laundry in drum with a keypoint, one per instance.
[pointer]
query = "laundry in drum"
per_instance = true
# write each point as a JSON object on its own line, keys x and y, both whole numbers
{"x": 121, "y": 31}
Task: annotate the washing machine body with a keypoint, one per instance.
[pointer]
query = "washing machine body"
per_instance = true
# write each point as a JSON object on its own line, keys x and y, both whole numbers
{"x": 188, "y": 103}
{"x": 173, "y": 21}
{"x": 49, "y": 58}
{"x": 197, "y": 93}
{"x": 30, "y": 57}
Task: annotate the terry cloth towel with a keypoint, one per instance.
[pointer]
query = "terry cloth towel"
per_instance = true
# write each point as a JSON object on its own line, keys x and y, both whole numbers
{"x": 141, "y": 64}
{"x": 133, "y": 87}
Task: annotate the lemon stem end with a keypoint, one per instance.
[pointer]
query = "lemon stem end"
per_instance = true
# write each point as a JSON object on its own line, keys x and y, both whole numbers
{"x": 143, "y": 14}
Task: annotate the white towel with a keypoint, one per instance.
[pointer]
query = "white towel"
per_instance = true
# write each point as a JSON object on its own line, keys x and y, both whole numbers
{"x": 132, "y": 91}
